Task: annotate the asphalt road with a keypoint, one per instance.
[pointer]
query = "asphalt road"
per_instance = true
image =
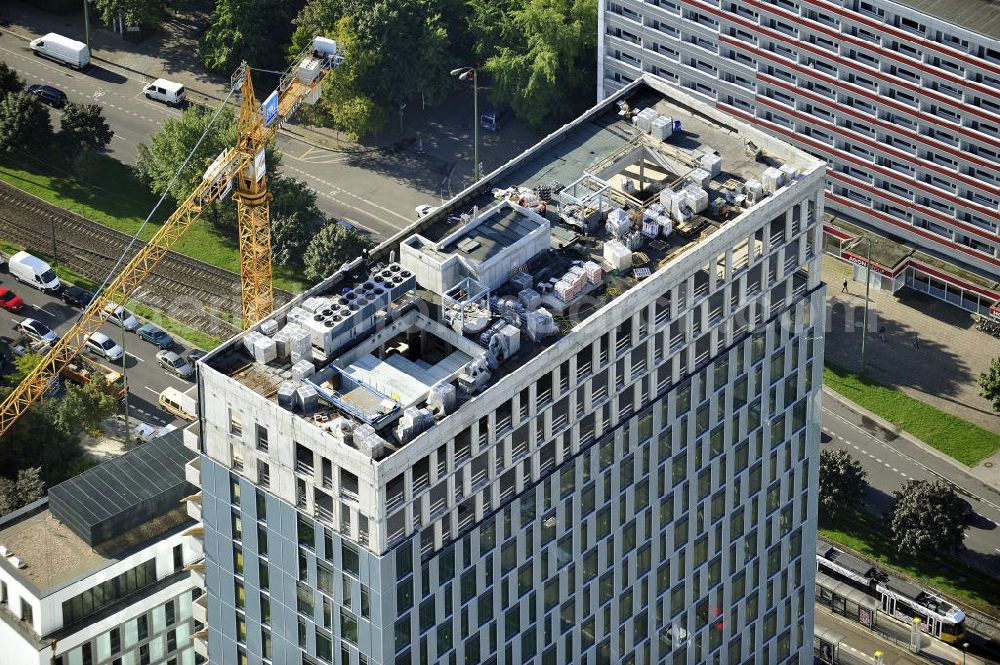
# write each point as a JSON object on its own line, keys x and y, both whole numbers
{"x": 377, "y": 202}
{"x": 145, "y": 377}
{"x": 890, "y": 461}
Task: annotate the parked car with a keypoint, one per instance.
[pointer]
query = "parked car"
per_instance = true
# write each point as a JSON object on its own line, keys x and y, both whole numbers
{"x": 36, "y": 330}
{"x": 173, "y": 363}
{"x": 121, "y": 316}
{"x": 345, "y": 223}
{"x": 76, "y": 296}
{"x": 195, "y": 355}
{"x": 155, "y": 335}
{"x": 423, "y": 210}
{"x": 105, "y": 347}
{"x": 10, "y": 301}
{"x": 48, "y": 94}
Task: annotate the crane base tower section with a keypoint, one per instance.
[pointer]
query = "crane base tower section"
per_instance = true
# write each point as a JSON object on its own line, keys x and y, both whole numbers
{"x": 505, "y": 447}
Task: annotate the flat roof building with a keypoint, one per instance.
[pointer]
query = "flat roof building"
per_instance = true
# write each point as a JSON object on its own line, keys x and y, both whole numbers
{"x": 901, "y": 99}
{"x": 571, "y": 414}
{"x": 97, "y": 572}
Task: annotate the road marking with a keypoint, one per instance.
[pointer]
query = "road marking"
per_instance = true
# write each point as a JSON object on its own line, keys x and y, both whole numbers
{"x": 345, "y": 192}
{"x": 895, "y": 470}
{"x": 136, "y": 357}
{"x": 840, "y": 438}
{"x": 152, "y": 390}
{"x": 878, "y": 460}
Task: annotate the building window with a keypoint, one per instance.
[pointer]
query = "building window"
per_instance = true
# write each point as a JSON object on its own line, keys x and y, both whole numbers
{"x": 235, "y": 422}
{"x": 178, "y": 557}
{"x": 100, "y": 596}
{"x": 261, "y": 437}
{"x": 263, "y": 474}
{"x": 27, "y": 614}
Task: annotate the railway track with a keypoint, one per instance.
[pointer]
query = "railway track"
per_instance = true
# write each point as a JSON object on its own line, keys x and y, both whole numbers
{"x": 199, "y": 295}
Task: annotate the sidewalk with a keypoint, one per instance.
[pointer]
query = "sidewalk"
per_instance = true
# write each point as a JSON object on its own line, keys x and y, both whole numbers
{"x": 860, "y": 643}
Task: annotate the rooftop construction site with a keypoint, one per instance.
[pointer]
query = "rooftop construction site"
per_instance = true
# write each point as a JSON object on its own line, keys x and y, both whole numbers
{"x": 394, "y": 342}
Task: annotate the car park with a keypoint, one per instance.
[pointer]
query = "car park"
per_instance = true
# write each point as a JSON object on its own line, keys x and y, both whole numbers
{"x": 105, "y": 347}
{"x": 155, "y": 335}
{"x": 76, "y": 296}
{"x": 173, "y": 363}
{"x": 120, "y": 316}
{"x": 48, "y": 94}
{"x": 36, "y": 330}
{"x": 10, "y": 301}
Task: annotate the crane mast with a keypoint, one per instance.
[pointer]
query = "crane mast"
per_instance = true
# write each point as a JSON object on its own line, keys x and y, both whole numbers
{"x": 240, "y": 169}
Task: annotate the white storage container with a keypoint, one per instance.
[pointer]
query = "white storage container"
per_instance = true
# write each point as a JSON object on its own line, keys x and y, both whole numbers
{"x": 700, "y": 177}
{"x": 661, "y": 128}
{"x": 711, "y": 163}
{"x": 264, "y": 349}
{"x": 644, "y": 119}
{"x": 772, "y": 179}
{"x": 697, "y": 199}
{"x": 617, "y": 255}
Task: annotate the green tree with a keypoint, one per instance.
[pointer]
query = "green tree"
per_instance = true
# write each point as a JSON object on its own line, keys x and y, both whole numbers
{"x": 9, "y": 80}
{"x": 924, "y": 519}
{"x": 248, "y": 30}
{"x": 842, "y": 483}
{"x": 84, "y": 407}
{"x": 29, "y": 487}
{"x": 36, "y": 440}
{"x": 24, "y": 123}
{"x": 138, "y": 13}
{"x": 290, "y": 237}
{"x": 541, "y": 56}
{"x": 330, "y": 249}
{"x": 157, "y": 162}
{"x": 84, "y": 128}
{"x": 396, "y": 52}
{"x": 989, "y": 384}
{"x": 23, "y": 366}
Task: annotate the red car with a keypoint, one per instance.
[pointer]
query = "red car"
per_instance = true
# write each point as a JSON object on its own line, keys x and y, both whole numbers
{"x": 10, "y": 301}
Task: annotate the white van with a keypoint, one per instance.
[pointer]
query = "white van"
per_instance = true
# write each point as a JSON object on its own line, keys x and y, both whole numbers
{"x": 165, "y": 91}
{"x": 31, "y": 270}
{"x": 183, "y": 405}
{"x": 62, "y": 49}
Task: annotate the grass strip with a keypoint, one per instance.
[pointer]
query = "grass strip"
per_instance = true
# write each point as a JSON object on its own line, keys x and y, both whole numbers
{"x": 866, "y": 534}
{"x": 957, "y": 438}
{"x": 112, "y": 196}
{"x": 199, "y": 339}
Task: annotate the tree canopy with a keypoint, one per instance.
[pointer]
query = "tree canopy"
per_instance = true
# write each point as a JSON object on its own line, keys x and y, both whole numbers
{"x": 926, "y": 518}
{"x": 84, "y": 128}
{"x": 140, "y": 13}
{"x": 842, "y": 483}
{"x": 989, "y": 384}
{"x": 248, "y": 30}
{"x": 331, "y": 247}
{"x": 541, "y": 55}
{"x": 9, "y": 80}
{"x": 28, "y": 487}
{"x": 24, "y": 123}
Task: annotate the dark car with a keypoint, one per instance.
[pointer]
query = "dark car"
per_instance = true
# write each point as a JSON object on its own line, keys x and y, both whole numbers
{"x": 46, "y": 93}
{"x": 10, "y": 301}
{"x": 195, "y": 355}
{"x": 76, "y": 296}
{"x": 155, "y": 335}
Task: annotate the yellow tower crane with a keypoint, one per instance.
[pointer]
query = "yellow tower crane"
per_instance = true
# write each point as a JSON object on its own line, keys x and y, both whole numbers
{"x": 240, "y": 169}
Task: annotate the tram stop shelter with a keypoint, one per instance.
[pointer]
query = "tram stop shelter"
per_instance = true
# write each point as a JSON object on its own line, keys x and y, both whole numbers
{"x": 845, "y": 600}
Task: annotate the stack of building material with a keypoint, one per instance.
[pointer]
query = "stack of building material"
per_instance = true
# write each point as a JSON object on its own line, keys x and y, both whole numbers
{"x": 367, "y": 440}
{"x": 618, "y": 223}
{"x": 442, "y": 399}
{"x": 540, "y": 325}
{"x": 299, "y": 344}
{"x": 315, "y": 304}
{"x": 697, "y": 198}
{"x": 790, "y": 172}
{"x": 773, "y": 179}
{"x": 249, "y": 338}
{"x": 305, "y": 397}
{"x": 341, "y": 429}
{"x": 530, "y": 298}
{"x": 666, "y": 225}
{"x": 711, "y": 163}
{"x": 286, "y": 394}
{"x": 510, "y": 341}
{"x": 564, "y": 290}
{"x": 522, "y": 280}
{"x": 269, "y": 327}
{"x": 617, "y": 255}
{"x": 302, "y": 369}
{"x": 264, "y": 349}
{"x": 281, "y": 344}
{"x": 754, "y": 190}
{"x": 593, "y": 272}
{"x": 700, "y": 177}
{"x": 662, "y": 127}
{"x": 644, "y": 119}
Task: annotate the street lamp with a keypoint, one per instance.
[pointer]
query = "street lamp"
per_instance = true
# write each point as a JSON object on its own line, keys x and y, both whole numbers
{"x": 467, "y": 74}
{"x": 868, "y": 286}
{"x": 86, "y": 23}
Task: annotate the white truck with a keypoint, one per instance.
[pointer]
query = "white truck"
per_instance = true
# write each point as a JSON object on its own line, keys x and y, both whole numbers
{"x": 29, "y": 269}
{"x": 63, "y": 50}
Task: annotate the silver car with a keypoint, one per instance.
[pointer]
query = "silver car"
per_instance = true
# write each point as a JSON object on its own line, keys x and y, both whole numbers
{"x": 173, "y": 363}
